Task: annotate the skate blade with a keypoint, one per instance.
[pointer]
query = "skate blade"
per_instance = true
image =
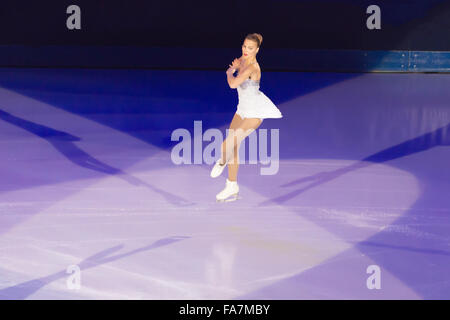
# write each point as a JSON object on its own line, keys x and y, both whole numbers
{"x": 230, "y": 198}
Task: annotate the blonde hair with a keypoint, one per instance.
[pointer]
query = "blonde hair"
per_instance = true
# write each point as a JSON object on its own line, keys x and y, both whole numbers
{"x": 255, "y": 37}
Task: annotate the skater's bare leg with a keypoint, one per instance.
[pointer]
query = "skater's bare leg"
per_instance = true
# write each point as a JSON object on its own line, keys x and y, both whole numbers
{"x": 233, "y": 165}
{"x": 245, "y": 128}
{"x": 228, "y": 142}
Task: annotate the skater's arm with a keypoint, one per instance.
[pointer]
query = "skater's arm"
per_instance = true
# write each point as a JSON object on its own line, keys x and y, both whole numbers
{"x": 235, "y": 82}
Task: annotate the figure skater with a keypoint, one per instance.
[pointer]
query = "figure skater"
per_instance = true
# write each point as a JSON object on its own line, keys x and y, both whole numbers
{"x": 253, "y": 107}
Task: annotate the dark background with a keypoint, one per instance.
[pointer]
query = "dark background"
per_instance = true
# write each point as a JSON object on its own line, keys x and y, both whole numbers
{"x": 299, "y": 35}
{"x": 299, "y": 24}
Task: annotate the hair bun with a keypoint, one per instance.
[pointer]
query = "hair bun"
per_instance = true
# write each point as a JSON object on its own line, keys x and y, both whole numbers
{"x": 259, "y": 37}
{"x": 255, "y": 37}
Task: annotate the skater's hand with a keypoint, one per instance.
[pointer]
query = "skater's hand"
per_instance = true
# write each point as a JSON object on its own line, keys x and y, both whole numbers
{"x": 233, "y": 66}
{"x": 230, "y": 70}
{"x": 236, "y": 63}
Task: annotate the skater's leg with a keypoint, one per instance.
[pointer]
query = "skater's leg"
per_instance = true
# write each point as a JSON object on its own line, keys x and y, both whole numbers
{"x": 233, "y": 165}
{"x": 235, "y": 137}
{"x": 226, "y": 148}
{"x": 227, "y": 145}
{"x": 245, "y": 128}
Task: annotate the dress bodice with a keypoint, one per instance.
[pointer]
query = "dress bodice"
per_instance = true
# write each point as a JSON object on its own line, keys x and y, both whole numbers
{"x": 249, "y": 82}
{"x": 253, "y": 103}
{"x": 248, "y": 88}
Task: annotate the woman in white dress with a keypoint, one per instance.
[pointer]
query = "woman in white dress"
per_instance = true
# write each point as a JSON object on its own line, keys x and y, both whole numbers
{"x": 253, "y": 107}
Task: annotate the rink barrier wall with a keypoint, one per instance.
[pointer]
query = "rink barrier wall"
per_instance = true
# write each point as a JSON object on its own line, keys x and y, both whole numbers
{"x": 219, "y": 58}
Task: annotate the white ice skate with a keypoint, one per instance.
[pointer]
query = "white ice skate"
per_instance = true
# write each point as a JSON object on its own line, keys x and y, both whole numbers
{"x": 217, "y": 169}
{"x": 230, "y": 193}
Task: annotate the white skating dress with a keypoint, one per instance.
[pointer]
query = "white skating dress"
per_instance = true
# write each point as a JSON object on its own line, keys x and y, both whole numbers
{"x": 253, "y": 103}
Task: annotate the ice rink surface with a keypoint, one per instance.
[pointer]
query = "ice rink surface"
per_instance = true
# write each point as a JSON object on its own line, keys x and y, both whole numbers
{"x": 88, "y": 183}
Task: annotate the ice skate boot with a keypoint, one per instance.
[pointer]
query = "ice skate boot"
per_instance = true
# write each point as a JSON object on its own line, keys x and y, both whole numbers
{"x": 230, "y": 193}
{"x": 217, "y": 169}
